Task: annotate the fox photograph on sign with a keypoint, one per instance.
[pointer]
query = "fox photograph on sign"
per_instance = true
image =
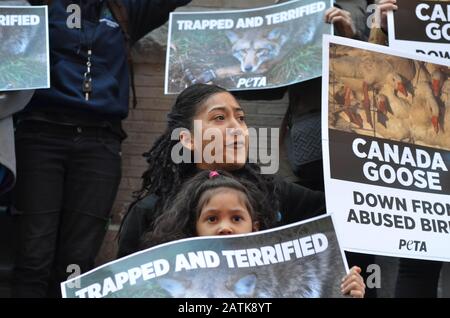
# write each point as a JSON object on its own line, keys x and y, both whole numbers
{"x": 386, "y": 145}
{"x": 298, "y": 260}
{"x": 24, "y": 51}
{"x": 422, "y": 27}
{"x": 246, "y": 49}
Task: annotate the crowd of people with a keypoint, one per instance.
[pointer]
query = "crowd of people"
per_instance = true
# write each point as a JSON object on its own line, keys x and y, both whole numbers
{"x": 68, "y": 154}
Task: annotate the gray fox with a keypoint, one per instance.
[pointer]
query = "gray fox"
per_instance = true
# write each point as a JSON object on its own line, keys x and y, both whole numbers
{"x": 15, "y": 40}
{"x": 254, "y": 50}
{"x": 257, "y": 51}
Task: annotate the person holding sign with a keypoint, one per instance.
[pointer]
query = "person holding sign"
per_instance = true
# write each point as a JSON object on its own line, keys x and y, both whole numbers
{"x": 300, "y": 129}
{"x": 198, "y": 109}
{"x": 68, "y": 139}
{"x": 416, "y": 278}
{"x": 215, "y": 203}
{"x": 301, "y": 125}
{"x": 10, "y": 103}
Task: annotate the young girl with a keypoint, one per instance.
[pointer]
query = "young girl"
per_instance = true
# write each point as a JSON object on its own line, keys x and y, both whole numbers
{"x": 215, "y": 203}
{"x": 212, "y": 203}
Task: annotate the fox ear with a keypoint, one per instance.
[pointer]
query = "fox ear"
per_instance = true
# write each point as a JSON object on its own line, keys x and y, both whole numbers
{"x": 232, "y": 36}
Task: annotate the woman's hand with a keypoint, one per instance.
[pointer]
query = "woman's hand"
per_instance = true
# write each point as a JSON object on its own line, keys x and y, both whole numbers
{"x": 342, "y": 20}
{"x": 353, "y": 283}
{"x": 383, "y": 7}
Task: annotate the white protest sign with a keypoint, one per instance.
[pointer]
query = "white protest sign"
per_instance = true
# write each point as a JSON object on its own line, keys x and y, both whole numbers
{"x": 386, "y": 149}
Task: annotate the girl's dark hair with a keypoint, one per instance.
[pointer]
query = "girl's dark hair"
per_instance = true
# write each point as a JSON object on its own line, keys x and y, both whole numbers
{"x": 163, "y": 177}
{"x": 180, "y": 215}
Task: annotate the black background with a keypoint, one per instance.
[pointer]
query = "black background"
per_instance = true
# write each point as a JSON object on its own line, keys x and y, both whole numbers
{"x": 411, "y": 28}
{"x": 345, "y": 165}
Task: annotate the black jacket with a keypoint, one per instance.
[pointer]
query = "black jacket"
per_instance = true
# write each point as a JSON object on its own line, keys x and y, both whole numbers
{"x": 296, "y": 203}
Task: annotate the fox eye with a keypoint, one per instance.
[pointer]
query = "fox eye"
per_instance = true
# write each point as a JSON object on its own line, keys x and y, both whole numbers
{"x": 243, "y": 51}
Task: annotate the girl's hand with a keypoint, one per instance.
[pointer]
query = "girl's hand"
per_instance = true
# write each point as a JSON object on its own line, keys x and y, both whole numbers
{"x": 342, "y": 20}
{"x": 383, "y": 7}
{"x": 353, "y": 283}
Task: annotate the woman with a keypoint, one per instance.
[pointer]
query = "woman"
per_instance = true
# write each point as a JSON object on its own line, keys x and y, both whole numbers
{"x": 214, "y": 109}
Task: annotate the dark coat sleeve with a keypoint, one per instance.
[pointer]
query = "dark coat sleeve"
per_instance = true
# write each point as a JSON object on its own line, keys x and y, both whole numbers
{"x": 298, "y": 203}
{"x": 147, "y": 15}
{"x": 134, "y": 225}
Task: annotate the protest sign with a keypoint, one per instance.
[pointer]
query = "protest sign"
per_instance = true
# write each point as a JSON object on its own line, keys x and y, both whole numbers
{"x": 246, "y": 49}
{"x": 422, "y": 27}
{"x": 386, "y": 149}
{"x": 24, "y": 50}
{"x": 298, "y": 260}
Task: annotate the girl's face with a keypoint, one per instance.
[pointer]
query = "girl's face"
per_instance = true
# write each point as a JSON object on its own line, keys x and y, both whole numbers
{"x": 223, "y": 132}
{"x": 225, "y": 213}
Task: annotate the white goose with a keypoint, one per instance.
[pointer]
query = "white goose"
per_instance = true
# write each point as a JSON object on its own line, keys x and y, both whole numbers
{"x": 395, "y": 109}
{"x": 424, "y": 115}
{"x": 369, "y": 71}
{"x": 443, "y": 139}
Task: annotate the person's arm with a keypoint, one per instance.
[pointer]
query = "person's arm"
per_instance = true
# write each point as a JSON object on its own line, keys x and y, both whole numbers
{"x": 298, "y": 203}
{"x": 147, "y": 15}
{"x": 379, "y": 32}
{"x": 12, "y": 102}
{"x": 385, "y": 6}
{"x": 134, "y": 225}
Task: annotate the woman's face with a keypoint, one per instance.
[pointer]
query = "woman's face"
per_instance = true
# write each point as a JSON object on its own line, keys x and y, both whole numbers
{"x": 221, "y": 124}
{"x": 225, "y": 213}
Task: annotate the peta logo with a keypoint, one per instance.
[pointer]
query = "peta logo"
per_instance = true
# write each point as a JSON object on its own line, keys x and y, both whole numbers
{"x": 411, "y": 245}
{"x": 252, "y": 82}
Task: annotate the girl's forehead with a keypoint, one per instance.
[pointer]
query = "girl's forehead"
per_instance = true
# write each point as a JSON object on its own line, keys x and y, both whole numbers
{"x": 222, "y": 194}
{"x": 226, "y": 190}
{"x": 217, "y": 193}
